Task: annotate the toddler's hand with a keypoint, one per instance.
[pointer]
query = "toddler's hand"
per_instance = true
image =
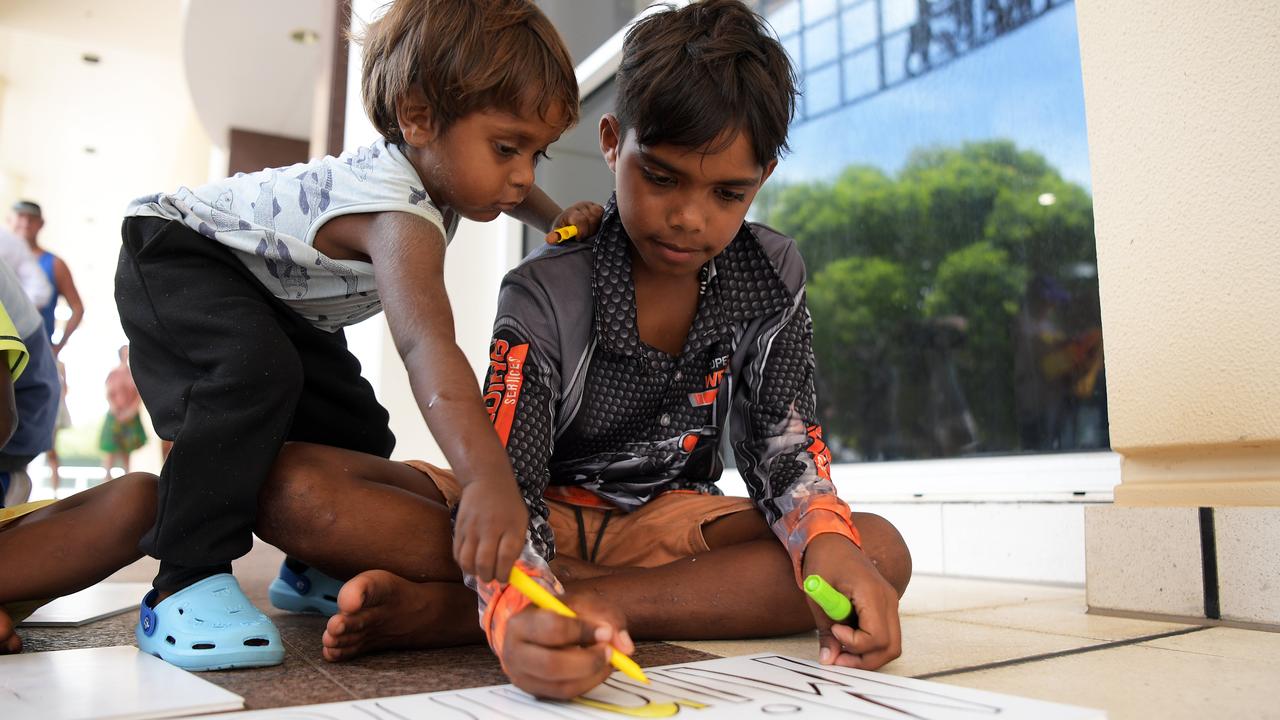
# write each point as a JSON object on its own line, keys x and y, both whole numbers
{"x": 873, "y": 636}
{"x": 490, "y": 529}
{"x": 584, "y": 215}
{"x": 551, "y": 656}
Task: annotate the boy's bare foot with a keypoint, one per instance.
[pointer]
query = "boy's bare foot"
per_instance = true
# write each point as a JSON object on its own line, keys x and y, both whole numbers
{"x": 10, "y": 643}
{"x": 378, "y": 610}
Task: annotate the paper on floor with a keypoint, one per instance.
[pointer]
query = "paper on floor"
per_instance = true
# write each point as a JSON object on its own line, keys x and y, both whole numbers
{"x": 92, "y": 603}
{"x": 762, "y": 685}
{"x": 120, "y": 683}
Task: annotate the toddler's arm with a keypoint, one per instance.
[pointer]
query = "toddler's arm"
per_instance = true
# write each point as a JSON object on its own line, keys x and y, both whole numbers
{"x": 408, "y": 258}
{"x": 521, "y": 392}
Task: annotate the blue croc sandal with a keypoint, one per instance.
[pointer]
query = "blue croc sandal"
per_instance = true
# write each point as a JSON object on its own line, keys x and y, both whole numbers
{"x": 210, "y": 625}
{"x": 309, "y": 591}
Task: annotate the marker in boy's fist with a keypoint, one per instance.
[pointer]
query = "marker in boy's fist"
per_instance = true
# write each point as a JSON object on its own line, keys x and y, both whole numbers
{"x": 872, "y": 636}
{"x": 490, "y": 529}
{"x": 551, "y": 656}
{"x": 585, "y": 216}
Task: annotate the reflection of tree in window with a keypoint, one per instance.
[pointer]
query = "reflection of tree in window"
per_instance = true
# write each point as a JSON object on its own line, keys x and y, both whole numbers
{"x": 916, "y": 285}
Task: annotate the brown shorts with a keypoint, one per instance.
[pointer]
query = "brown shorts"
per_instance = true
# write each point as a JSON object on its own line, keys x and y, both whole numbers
{"x": 667, "y": 528}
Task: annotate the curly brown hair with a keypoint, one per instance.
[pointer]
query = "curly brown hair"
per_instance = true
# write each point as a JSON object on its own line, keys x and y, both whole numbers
{"x": 465, "y": 55}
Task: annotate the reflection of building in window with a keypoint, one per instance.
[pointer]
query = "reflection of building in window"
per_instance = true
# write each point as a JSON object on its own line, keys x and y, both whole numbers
{"x": 851, "y": 50}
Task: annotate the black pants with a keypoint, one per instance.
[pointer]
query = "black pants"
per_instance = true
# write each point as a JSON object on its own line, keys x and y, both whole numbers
{"x": 228, "y": 373}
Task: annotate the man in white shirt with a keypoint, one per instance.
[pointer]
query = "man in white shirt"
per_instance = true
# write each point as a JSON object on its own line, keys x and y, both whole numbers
{"x": 15, "y": 253}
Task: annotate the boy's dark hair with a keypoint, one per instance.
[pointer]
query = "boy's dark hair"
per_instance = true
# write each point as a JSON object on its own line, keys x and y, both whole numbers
{"x": 689, "y": 75}
{"x": 466, "y": 55}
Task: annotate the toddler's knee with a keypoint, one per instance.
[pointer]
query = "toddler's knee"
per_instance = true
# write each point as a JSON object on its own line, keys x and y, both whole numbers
{"x": 884, "y": 544}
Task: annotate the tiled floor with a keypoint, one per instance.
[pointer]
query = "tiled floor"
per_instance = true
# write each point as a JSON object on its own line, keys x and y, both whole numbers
{"x": 1030, "y": 640}
{"x": 1039, "y": 642}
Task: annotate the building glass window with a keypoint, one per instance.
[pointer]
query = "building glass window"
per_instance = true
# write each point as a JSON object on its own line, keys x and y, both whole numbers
{"x": 939, "y": 190}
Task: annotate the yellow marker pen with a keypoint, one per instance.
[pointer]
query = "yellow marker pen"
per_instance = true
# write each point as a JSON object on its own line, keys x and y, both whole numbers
{"x": 566, "y": 232}
{"x": 547, "y": 601}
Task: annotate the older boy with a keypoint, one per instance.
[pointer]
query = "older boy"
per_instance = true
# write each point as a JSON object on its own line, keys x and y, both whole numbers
{"x": 616, "y": 369}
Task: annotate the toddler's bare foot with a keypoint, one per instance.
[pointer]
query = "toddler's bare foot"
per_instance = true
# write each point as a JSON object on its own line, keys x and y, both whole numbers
{"x": 10, "y": 643}
{"x": 378, "y": 610}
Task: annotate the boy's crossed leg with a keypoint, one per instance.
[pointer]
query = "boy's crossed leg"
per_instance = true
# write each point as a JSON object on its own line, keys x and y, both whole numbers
{"x": 346, "y": 513}
{"x": 72, "y": 544}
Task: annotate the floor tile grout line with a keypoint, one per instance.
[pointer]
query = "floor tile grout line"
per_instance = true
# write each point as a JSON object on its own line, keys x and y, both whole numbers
{"x": 997, "y": 606}
{"x": 1058, "y": 654}
{"x": 320, "y": 669}
{"x": 1209, "y": 564}
{"x": 1056, "y": 633}
{"x": 325, "y": 672}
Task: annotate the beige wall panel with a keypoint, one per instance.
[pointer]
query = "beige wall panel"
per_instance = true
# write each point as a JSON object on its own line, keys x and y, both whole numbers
{"x": 1183, "y": 106}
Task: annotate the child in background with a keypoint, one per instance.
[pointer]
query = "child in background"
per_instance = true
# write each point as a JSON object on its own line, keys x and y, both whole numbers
{"x": 617, "y": 369}
{"x": 122, "y": 430}
{"x": 234, "y": 296}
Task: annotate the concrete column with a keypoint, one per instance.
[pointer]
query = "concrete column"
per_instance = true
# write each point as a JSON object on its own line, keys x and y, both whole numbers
{"x": 1183, "y": 100}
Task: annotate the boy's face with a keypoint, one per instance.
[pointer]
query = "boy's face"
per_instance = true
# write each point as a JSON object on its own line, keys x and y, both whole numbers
{"x": 483, "y": 164}
{"x": 680, "y": 206}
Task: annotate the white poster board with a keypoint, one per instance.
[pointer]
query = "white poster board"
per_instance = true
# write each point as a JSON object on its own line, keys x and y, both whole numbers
{"x": 762, "y": 685}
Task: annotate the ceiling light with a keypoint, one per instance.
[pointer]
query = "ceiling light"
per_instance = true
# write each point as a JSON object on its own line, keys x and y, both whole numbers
{"x": 305, "y": 36}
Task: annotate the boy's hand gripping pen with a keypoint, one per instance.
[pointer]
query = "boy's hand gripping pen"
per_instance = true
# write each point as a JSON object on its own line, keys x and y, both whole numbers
{"x": 545, "y": 600}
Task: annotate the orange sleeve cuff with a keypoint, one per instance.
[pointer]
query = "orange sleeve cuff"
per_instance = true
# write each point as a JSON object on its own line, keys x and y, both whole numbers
{"x": 507, "y": 601}
{"x": 821, "y": 514}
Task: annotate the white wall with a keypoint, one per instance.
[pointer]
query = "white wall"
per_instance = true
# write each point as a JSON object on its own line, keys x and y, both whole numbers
{"x": 133, "y": 110}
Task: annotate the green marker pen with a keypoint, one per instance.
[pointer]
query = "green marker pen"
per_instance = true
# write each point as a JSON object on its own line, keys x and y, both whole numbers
{"x": 832, "y": 601}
